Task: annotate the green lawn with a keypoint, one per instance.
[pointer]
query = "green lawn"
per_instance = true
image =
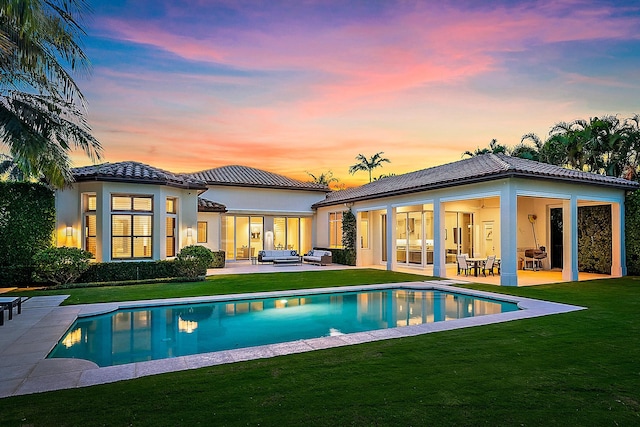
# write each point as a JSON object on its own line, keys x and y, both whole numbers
{"x": 580, "y": 368}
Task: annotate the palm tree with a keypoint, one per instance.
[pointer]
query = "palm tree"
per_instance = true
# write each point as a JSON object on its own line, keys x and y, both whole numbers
{"x": 368, "y": 164}
{"x": 9, "y": 169}
{"x": 41, "y": 107}
{"x": 494, "y": 147}
{"x": 325, "y": 178}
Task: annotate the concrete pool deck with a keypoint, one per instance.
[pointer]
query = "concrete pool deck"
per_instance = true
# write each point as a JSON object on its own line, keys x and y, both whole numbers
{"x": 26, "y": 340}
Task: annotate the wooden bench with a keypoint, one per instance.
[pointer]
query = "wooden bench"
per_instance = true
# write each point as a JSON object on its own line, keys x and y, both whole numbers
{"x": 8, "y": 303}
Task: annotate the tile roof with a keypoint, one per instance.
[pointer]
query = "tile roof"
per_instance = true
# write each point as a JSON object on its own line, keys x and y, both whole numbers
{"x": 205, "y": 205}
{"x": 134, "y": 172}
{"x": 250, "y": 177}
{"x": 485, "y": 167}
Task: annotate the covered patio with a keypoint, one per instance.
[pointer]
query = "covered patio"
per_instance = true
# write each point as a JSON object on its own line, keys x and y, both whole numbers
{"x": 490, "y": 205}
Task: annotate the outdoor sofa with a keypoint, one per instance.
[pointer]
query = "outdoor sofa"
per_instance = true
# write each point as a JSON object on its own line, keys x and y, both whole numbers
{"x": 317, "y": 256}
{"x": 283, "y": 255}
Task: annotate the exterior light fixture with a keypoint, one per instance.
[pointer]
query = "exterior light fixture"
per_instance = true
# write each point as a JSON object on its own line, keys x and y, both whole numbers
{"x": 69, "y": 231}
{"x": 189, "y": 231}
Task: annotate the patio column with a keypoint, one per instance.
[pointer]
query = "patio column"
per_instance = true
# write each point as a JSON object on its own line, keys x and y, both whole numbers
{"x": 508, "y": 235}
{"x": 570, "y": 239}
{"x": 618, "y": 252}
{"x": 103, "y": 225}
{"x": 391, "y": 238}
{"x": 439, "y": 262}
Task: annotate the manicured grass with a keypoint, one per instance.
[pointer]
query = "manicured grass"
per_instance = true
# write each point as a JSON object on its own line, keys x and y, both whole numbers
{"x": 580, "y": 368}
{"x": 229, "y": 284}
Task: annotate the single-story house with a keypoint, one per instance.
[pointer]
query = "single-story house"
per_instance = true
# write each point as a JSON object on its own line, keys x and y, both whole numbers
{"x": 486, "y": 205}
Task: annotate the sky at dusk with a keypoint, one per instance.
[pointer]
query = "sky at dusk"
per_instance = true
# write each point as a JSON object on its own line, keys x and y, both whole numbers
{"x": 297, "y": 86}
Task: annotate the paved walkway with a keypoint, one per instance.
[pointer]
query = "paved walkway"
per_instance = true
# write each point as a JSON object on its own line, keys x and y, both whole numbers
{"x": 26, "y": 340}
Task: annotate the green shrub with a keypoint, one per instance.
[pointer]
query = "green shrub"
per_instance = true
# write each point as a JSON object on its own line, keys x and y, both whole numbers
{"x": 632, "y": 232}
{"x": 340, "y": 256}
{"x": 60, "y": 265}
{"x": 121, "y": 271}
{"x": 218, "y": 259}
{"x": 27, "y": 222}
{"x": 192, "y": 261}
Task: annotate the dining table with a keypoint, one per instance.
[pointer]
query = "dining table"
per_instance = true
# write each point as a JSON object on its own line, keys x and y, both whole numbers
{"x": 477, "y": 264}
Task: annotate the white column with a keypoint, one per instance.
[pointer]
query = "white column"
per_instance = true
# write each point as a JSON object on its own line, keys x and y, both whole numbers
{"x": 570, "y": 239}
{"x": 103, "y": 225}
{"x": 439, "y": 259}
{"x": 508, "y": 235}
{"x": 391, "y": 238}
{"x": 618, "y": 253}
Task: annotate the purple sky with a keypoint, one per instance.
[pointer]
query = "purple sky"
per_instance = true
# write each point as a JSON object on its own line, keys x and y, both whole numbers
{"x": 296, "y": 86}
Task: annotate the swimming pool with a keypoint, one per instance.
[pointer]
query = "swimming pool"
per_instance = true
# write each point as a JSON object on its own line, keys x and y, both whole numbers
{"x": 160, "y": 332}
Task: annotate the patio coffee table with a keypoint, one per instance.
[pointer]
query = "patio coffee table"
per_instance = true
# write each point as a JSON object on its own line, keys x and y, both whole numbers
{"x": 298, "y": 260}
{"x": 8, "y": 303}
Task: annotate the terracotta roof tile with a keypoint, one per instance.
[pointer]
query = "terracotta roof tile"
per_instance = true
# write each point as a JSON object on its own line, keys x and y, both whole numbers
{"x": 251, "y": 177}
{"x": 205, "y": 205}
{"x": 136, "y": 173}
{"x": 476, "y": 169}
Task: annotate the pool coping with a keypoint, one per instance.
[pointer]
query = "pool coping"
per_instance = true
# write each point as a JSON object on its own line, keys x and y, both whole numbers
{"x": 25, "y": 369}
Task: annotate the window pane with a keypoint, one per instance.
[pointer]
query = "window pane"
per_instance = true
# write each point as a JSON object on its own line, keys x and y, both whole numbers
{"x": 120, "y": 203}
{"x": 91, "y": 203}
{"x": 121, "y": 247}
{"x": 279, "y": 232}
{"x": 293, "y": 233}
{"x": 121, "y": 225}
{"x": 91, "y": 245}
{"x": 142, "y": 204}
{"x": 142, "y": 225}
{"x": 305, "y": 235}
{"x": 171, "y": 205}
{"x": 90, "y": 225}
{"x": 171, "y": 246}
{"x": 142, "y": 247}
{"x": 171, "y": 227}
{"x": 202, "y": 232}
{"x": 228, "y": 233}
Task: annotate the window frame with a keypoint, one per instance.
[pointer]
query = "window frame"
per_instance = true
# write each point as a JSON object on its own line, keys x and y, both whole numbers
{"x": 132, "y": 214}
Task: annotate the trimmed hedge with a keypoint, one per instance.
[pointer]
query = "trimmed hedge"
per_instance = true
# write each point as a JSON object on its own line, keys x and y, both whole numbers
{"x": 340, "y": 256}
{"x": 594, "y": 240}
{"x": 632, "y": 233}
{"x": 27, "y": 222}
{"x": 218, "y": 259}
{"x": 128, "y": 270}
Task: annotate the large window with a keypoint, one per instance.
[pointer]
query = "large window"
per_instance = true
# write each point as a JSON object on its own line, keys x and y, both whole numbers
{"x": 335, "y": 229}
{"x": 131, "y": 227}
{"x": 171, "y": 227}
{"x": 292, "y": 233}
{"x": 364, "y": 230}
{"x": 90, "y": 226}
{"x": 202, "y": 232}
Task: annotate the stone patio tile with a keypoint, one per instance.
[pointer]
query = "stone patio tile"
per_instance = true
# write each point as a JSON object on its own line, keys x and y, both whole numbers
{"x": 42, "y": 383}
{"x": 160, "y": 366}
{"x": 251, "y": 353}
{"x": 48, "y": 367}
{"x": 326, "y": 342}
{"x": 386, "y": 333}
{"x": 107, "y": 374}
{"x": 41, "y": 346}
{"x": 358, "y": 338}
{"x": 9, "y": 387}
{"x": 17, "y": 359}
{"x": 208, "y": 359}
{"x": 20, "y": 372}
{"x": 290, "y": 347}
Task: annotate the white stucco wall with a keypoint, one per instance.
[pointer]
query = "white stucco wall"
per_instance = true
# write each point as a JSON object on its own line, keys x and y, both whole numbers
{"x": 264, "y": 201}
{"x": 69, "y": 213}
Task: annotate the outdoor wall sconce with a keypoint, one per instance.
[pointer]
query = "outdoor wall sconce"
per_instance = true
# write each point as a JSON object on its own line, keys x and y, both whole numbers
{"x": 189, "y": 231}
{"x": 69, "y": 231}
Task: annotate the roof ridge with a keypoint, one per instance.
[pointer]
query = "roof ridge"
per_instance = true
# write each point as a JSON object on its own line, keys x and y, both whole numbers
{"x": 500, "y": 158}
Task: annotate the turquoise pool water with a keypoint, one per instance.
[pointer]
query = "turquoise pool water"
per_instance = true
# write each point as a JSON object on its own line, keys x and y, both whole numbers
{"x": 159, "y": 332}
